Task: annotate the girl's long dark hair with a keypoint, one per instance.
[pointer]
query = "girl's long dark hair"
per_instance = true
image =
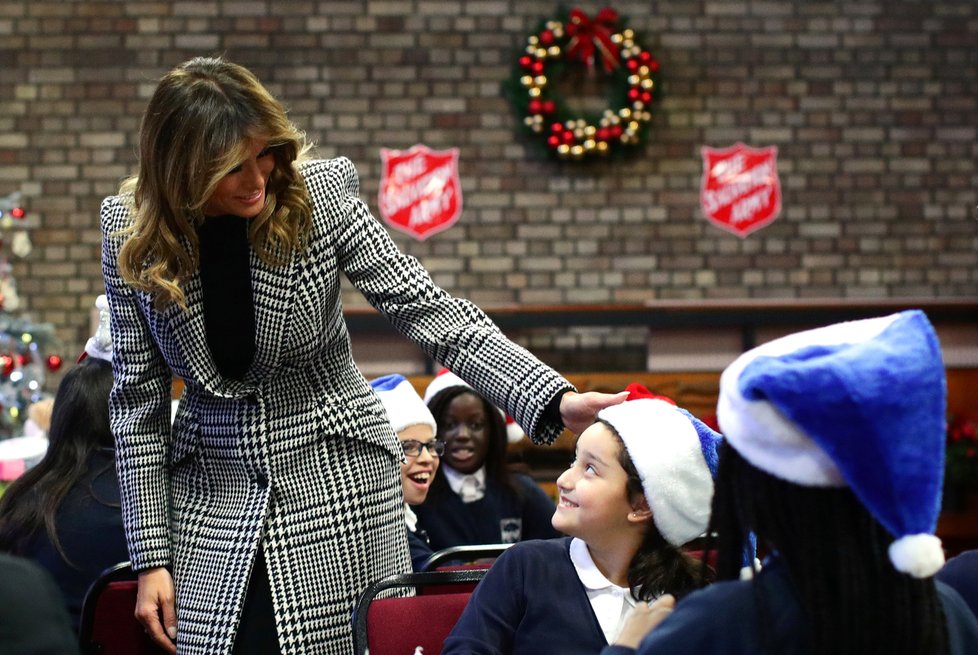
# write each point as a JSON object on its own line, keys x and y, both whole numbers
{"x": 79, "y": 427}
{"x": 658, "y": 567}
{"x": 496, "y": 466}
{"x": 835, "y": 555}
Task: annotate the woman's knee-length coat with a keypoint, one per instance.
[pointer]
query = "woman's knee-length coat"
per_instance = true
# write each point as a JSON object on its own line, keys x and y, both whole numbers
{"x": 298, "y": 457}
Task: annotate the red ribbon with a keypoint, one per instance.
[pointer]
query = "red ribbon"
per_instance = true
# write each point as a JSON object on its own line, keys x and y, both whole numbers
{"x": 590, "y": 37}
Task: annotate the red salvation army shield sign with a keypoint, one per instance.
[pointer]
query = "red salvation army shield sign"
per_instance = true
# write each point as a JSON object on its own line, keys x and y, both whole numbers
{"x": 420, "y": 191}
{"x": 740, "y": 191}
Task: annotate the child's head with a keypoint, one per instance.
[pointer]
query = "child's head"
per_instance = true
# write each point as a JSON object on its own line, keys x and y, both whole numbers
{"x": 834, "y": 459}
{"x": 642, "y": 459}
{"x": 642, "y": 481}
{"x": 415, "y": 427}
{"x": 858, "y": 405}
{"x": 473, "y": 429}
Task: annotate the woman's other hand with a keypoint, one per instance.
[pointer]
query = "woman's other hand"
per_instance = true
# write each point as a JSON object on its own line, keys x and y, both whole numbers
{"x": 155, "y": 607}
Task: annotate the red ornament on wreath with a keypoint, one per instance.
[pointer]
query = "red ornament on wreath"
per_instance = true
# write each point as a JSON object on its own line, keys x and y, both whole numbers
{"x": 604, "y": 47}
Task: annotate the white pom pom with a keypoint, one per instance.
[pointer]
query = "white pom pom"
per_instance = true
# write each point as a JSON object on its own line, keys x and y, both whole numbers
{"x": 919, "y": 555}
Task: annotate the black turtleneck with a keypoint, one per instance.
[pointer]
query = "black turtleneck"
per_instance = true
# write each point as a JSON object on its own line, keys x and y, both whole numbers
{"x": 229, "y": 306}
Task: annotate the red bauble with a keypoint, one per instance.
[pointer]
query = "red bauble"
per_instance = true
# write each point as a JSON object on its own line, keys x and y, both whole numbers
{"x": 7, "y": 365}
{"x": 54, "y": 362}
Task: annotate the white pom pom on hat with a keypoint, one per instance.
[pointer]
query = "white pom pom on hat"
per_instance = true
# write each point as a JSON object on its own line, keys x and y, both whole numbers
{"x": 99, "y": 345}
{"x": 675, "y": 455}
{"x": 859, "y": 404}
{"x": 403, "y": 404}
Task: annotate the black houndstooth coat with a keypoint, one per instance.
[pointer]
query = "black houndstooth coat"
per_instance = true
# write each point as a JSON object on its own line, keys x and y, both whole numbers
{"x": 298, "y": 458}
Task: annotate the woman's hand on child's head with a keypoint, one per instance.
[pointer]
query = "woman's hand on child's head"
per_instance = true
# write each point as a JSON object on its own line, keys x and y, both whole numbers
{"x": 577, "y": 410}
{"x": 643, "y": 618}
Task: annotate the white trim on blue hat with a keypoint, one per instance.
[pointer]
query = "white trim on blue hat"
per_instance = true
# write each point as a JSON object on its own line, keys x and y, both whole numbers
{"x": 859, "y": 404}
{"x": 403, "y": 404}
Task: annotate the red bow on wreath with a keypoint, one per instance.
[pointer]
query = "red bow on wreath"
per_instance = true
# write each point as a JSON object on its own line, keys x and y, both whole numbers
{"x": 590, "y": 36}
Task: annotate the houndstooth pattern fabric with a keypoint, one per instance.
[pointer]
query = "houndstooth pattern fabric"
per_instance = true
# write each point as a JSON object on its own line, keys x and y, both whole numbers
{"x": 297, "y": 458}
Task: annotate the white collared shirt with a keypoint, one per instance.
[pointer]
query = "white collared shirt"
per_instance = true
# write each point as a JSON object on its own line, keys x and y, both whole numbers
{"x": 455, "y": 480}
{"x": 609, "y": 602}
{"x": 410, "y": 518}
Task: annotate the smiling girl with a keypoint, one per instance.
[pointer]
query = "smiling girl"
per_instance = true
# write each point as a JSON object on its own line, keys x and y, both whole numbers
{"x": 639, "y": 488}
{"x": 477, "y": 499}
{"x": 415, "y": 428}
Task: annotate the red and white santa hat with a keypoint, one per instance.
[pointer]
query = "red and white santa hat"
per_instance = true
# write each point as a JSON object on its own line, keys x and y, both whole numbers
{"x": 675, "y": 455}
{"x": 99, "y": 345}
{"x": 445, "y": 379}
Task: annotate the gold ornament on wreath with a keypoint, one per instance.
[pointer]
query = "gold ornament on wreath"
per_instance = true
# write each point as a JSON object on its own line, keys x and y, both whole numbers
{"x": 605, "y": 48}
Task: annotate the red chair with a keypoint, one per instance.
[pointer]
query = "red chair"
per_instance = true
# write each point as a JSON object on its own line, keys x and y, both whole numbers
{"x": 480, "y": 555}
{"x": 397, "y": 626}
{"x": 108, "y": 623}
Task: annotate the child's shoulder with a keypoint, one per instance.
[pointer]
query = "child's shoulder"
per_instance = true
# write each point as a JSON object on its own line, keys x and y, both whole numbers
{"x": 546, "y": 550}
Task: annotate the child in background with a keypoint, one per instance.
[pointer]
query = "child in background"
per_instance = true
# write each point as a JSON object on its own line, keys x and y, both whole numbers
{"x": 638, "y": 490}
{"x": 415, "y": 427}
{"x": 477, "y": 499}
{"x": 64, "y": 513}
{"x": 834, "y": 459}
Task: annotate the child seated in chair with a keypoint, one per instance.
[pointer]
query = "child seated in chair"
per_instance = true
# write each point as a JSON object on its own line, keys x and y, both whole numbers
{"x": 833, "y": 459}
{"x": 415, "y": 427}
{"x": 638, "y": 490}
{"x": 64, "y": 513}
{"x": 477, "y": 499}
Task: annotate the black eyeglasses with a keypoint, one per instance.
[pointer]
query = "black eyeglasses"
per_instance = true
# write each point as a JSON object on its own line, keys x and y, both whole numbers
{"x": 412, "y": 447}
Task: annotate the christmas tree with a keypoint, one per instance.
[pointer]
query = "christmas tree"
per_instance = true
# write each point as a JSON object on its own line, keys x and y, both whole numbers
{"x": 25, "y": 346}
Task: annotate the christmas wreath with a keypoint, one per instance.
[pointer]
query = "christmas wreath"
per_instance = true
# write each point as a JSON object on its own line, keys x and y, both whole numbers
{"x": 605, "y": 48}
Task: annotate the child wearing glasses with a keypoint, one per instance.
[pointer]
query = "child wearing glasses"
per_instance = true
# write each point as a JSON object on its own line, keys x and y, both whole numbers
{"x": 477, "y": 499}
{"x": 638, "y": 490}
{"x": 415, "y": 427}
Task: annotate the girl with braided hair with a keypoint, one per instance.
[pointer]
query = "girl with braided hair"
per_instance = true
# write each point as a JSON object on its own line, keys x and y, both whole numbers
{"x": 833, "y": 460}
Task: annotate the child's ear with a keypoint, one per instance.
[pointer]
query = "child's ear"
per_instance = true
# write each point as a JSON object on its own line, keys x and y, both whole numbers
{"x": 640, "y": 510}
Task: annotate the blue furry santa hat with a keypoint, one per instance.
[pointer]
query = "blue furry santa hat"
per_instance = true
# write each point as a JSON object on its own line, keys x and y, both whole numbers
{"x": 403, "y": 404}
{"x": 859, "y": 404}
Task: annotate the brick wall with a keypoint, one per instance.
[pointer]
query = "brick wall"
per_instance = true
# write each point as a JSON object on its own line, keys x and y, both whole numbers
{"x": 871, "y": 104}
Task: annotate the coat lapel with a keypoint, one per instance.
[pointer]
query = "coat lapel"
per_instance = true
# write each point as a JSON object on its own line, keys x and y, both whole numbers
{"x": 273, "y": 290}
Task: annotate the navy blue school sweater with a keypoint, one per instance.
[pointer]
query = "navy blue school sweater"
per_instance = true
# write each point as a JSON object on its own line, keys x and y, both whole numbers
{"x": 89, "y": 525}
{"x": 531, "y": 601}
{"x": 722, "y": 619}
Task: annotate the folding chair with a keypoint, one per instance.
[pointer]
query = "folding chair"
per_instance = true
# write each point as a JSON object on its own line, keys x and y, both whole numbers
{"x": 108, "y": 623}
{"x": 397, "y": 626}
{"x": 464, "y": 557}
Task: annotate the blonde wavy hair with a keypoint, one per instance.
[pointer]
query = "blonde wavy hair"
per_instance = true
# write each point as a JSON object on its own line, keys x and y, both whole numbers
{"x": 198, "y": 127}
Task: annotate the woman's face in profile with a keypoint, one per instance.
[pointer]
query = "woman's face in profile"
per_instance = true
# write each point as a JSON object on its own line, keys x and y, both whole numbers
{"x": 464, "y": 427}
{"x": 242, "y": 191}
